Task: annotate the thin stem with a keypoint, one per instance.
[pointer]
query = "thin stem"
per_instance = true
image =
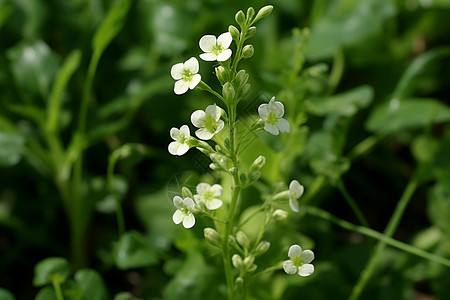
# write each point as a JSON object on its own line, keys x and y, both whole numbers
{"x": 336, "y": 71}
{"x": 381, "y": 245}
{"x": 56, "y": 282}
{"x": 110, "y": 178}
{"x": 352, "y": 203}
{"x": 276, "y": 267}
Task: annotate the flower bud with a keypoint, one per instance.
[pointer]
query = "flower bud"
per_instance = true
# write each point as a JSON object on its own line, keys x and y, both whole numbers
{"x": 240, "y": 18}
{"x": 215, "y": 167}
{"x": 280, "y": 214}
{"x": 263, "y": 12}
{"x": 241, "y": 79}
{"x": 262, "y": 248}
{"x": 254, "y": 176}
{"x": 242, "y": 239}
{"x": 232, "y": 241}
{"x": 284, "y": 195}
{"x": 228, "y": 92}
{"x": 221, "y": 161}
{"x": 243, "y": 178}
{"x": 252, "y": 268}
{"x": 250, "y": 13}
{"x": 234, "y": 32}
{"x": 248, "y": 51}
{"x": 239, "y": 281}
{"x": 237, "y": 261}
{"x": 221, "y": 74}
{"x": 251, "y": 32}
{"x": 259, "y": 162}
{"x": 232, "y": 170}
{"x": 185, "y": 193}
{"x": 212, "y": 236}
{"x": 248, "y": 261}
{"x": 245, "y": 90}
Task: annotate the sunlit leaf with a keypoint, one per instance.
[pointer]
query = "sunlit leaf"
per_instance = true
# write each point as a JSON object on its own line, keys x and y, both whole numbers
{"x": 46, "y": 269}
{"x": 91, "y": 285}
{"x": 10, "y": 148}
{"x": 439, "y": 207}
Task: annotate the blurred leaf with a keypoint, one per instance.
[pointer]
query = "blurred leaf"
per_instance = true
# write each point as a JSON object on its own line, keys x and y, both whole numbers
{"x": 46, "y": 269}
{"x": 133, "y": 251}
{"x": 345, "y": 23}
{"x": 91, "y": 285}
{"x": 252, "y": 227}
{"x": 345, "y": 104}
{"x": 10, "y": 148}
{"x": 47, "y": 293}
{"x": 34, "y": 66}
{"x": 35, "y": 14}
{"x": 125, "y": 296}
{"x": 6, "y": 295}
{"x": 442, "y": 162}
{"x": 6, "y": 9}
{"x": 439, "y": 207}
{"x": 405, "y": 114}
{"x": 424, "y": 148}
{"x": 111, "y": 25}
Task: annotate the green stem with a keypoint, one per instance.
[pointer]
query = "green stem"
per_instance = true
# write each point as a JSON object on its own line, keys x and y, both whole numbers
{"x": 336, "y": 71}
{"x": 352, "y": 203}
{"x": 381, "y": 245}
{"x": 110, "y": 178}
{"x": 56, "y": 282}
{"x": 276, "y": 267}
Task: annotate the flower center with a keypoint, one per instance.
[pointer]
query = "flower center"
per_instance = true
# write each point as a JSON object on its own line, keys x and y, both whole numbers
{"x": 271, "y": 118}
{"x": 208, "y": 195}
{"x": 210, "y": 124}
{"x": 217, "y": 49}
{"x": 187, "y": 75}
{"x": 182, "y": 139}
{"x": 298, "y": 261}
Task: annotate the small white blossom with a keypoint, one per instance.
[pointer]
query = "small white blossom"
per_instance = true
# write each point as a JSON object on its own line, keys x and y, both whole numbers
{"x": 207, "y": 194}
{"x": 216, "y": 48}
{"x": 208, "y": 121}
{"x": 271, "y": 113}
{"x": 185, "y": 211}
{"x": 186, "y": 75}
{"x": 295, "y": 192}
{"x": 299, "y": 261}
{"x": 180, "y": 144}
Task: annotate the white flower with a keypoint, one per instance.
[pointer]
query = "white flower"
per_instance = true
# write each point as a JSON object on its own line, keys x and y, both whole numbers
{"x": 184, "y": 213}
{"x": 181, "y": 136}
{"x": 216, "y": 49}
{"x": 271, "y": 113}
{"x": 299, "y": 261}
{"x": 207, "y": 194}
{"x": 186, "y": 75}
{"x": 208, "y": 121}
{"x": 295, "y": 192}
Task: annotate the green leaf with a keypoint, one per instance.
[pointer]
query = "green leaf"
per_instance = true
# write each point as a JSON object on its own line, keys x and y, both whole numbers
{"x": 91, "y": 285}
{"x": 346, "y": 23}
{"x": 439, "y": 207}
{"x": 345, "y": 104}
{"x": 47, "y": 293}
{"x": 46, "y": 269}
{"x": 34, "y": 66}
{"x": 133, "y": 251}
{"x": 408, "y": 113}
{"x": 6, "y": 10}
{"x": 125, "y": 296}
{"x": 6, "y": 295}
{"x": 111, "y": 25}
{"x": 10, "y": 148}
{"x": 441, "y": 162}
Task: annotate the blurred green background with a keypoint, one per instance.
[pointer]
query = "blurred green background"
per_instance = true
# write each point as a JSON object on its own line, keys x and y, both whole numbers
{"x": 366, "y": 47}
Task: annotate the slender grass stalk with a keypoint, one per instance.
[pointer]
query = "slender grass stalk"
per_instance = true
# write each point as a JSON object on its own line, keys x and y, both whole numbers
{"x": 110, "y": 180}
{"x": 351, "y": 202}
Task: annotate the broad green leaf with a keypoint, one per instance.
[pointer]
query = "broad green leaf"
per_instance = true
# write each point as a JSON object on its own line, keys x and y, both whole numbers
{"x": 6, "y": 295}
{"x": 345, "y": 23}
{"x": 111, "y": 25}
{"x": 10, "y": 148}
{"x": 345, "y": 104}
{"x": 46, "y": 269}
{"x": 91, "y": 285}
{"x": 47, "y": 293}
{"x": 408, "y": 113}
{"x": 133, "y": 251}
{"x": 439, "y": 207}
{"x": 34, "y": 66}
{"x": 34, "y": 16}
{"x": 424, "y": 148}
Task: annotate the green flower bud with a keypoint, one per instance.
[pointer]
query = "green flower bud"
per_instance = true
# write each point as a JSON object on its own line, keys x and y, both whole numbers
{"x": 248, "y": 51}
{"x": 250, "y": 13}
{"x": 240, "y": 18}
{"x": 280, "y": 215}
{"x": 241, "y": 79}
{"x": 239, "y": 281}
{"x": 228, "y": 92}
{"x": 232, "y": 241}
{"x": 248, "y": 261}
{"x": 215, "y": 167}
{"x": 236, "y": 261}
{"x": 242, "y": 239}
{"x": 243, "y": 178}
{"x": 221, "y": 74}
{"x": 212, "y": 236}
{"x": 255, "y": 176}
{"x": 235, "y": 34}
{"x": 185, "y": 192}
{"x": 252, "y": 268}
{"x": 259, "y": 162}
{"x": 284, "y": 195}
{"x": 221, "y": 161}
{"x": 263, "y": 12}
{"x": 232, "y": 170}
{"x": 251, "y": 32}
{"x": 245, "y": 90}
{"x": 262, "y": 248}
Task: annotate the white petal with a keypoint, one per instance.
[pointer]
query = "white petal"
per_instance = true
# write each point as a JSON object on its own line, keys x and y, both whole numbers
{"x": 178, "y": 202}
{"x": 263, "y": 111}
{"x": 197, "y": 118}
{"x": 293, "y": 204}
{"x": 195, "y": 80}
{"x": 307, "y": 256}
{"x": 289, "y": 267}
{"x": 224, "y": 55}
{"x": 213, "y": 204}
{"x": 189, "y": 203}
{"x": 272, "y": 129}
{"x": 283, "y": 125}
{"x": 202, "y": 188}
{"x": 294, "y": 251}
{"x": 180, "y": 87}
{"x": 174, "y": 133}
{"x": 177, "y": 71}
{"x": 214, "y": 111}
{"x": 184, "y": 130}
{"x": 217, "y": 190}
{"x": 182, "y": 149}
{"x": 173, "y": 148}
{"x": 178, "y": 217}
{"x": 204, "y": 134}
{"x": 295, "y": 189}
{"x": 225, "y": 40}
{"x": 207, "y": 42}
{"x": 306, "y": 270}
{"x": 220, "y": 126}
{"x": 192, "y": 65}
{"x": 189, "y": 221}
{"x": 208, "y": 56}
{"x": 278, "y": 108}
